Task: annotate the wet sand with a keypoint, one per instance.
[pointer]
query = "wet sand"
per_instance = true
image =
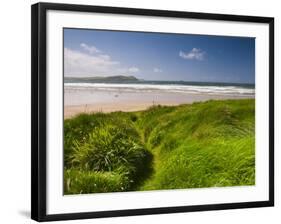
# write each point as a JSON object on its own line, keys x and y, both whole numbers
{"x": 76, "y": 102}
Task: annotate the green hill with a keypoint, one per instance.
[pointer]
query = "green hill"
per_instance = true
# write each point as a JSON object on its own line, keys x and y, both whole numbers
{"x": 101, "y": 79}
{"x": 209, "y": 144}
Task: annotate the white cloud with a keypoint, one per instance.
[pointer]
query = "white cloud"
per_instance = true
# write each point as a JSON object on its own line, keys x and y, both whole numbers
{"x": 105, "y": 56}
{"x": 81, "y": 64}
{"x": 89, "y": 61}
{"x": 133, "y": 69}
{"x": 89, "y": 49}
{"x": 194, "y": 54}
{"x": 157, "y": 70}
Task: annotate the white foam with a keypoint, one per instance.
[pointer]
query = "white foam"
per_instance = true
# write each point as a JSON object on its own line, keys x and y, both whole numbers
{"x": 195, "y": 89}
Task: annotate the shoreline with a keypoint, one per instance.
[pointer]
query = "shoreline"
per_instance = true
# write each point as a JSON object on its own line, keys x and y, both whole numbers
{"x": 138, "y": 105}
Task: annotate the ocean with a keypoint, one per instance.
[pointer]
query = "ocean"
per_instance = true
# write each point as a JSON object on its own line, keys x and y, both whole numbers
{"x": 167, "y": 87}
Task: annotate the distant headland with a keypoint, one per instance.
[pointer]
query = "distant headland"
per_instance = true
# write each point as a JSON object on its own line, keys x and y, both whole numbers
{"x": 101, "y": 79}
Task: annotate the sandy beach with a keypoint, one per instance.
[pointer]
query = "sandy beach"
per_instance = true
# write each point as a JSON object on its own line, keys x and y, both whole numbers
{"x": 89, "y": 101}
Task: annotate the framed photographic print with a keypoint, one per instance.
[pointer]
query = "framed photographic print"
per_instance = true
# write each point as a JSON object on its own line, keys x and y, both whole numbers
{"x": 139, "y": 111}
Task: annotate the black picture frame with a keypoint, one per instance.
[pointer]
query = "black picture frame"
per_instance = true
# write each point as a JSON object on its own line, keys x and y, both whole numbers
{"x": 38, "y": 110}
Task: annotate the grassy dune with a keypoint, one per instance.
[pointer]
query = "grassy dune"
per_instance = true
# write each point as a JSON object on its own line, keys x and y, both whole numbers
{"x": 188, "y": 146}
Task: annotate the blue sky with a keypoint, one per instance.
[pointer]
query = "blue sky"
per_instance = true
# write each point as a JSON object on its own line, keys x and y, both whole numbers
{"x": 156, "y": 56}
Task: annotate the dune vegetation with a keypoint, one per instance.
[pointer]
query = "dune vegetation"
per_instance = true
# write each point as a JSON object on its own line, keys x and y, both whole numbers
{"x": 206, "y": 144}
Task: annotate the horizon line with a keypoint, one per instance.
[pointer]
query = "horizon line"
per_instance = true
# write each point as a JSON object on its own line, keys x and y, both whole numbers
{"x": 217, "y": 82}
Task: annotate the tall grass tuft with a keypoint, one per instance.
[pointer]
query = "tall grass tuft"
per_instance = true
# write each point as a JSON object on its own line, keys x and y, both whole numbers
{"x": 110, "y": 151}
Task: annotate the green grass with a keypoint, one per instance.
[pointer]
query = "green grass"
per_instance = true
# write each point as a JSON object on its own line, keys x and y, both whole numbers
{"x": 206, "y": 144}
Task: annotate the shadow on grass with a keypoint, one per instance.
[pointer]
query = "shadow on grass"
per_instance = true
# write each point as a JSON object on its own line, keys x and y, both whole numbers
{"x": 144, "y": 172}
